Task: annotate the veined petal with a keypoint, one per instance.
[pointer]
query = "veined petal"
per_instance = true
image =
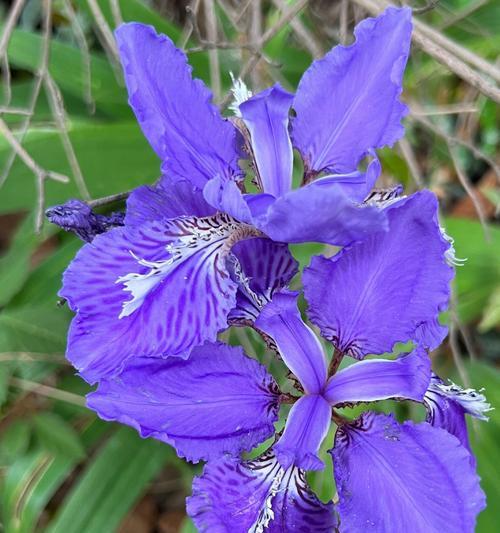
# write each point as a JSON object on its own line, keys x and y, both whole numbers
{"x": 447, "y": 406}
{"x": 155, "y": 290}
{"x": 348, "y": 102}
{"x": 261, "y": 267}
{"x": 298, "y": 345}
{"x": 379, "y": 379}
{"x": 306, "y": 428}
{"x": 385, "y": 287}
{"x": 266, "y": 117}
{"x": 257, "y": 496}
{"x": 170, "y": 198}
{"x": 218, "y": 401}
{"x": 392, "y": 477}
{"x": 320, "y": 214}
{"x": 174, "y": 110}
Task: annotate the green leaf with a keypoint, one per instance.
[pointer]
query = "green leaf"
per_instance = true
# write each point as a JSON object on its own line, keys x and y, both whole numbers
{"x": 15, "y": 264}
{"x": 113, "y": 158}
{"x": 480, "y": 275}
{"x": 65, "y": 65}
{"x": 57, "y": 436}
{"x": 15, "y": 440}
{"x": 6, "y": 369}
{"x": 491, "y": 315}
{"x": 34, "y": 478}
{"x": 110, "y": 485}
{"x": 485, "y": 437}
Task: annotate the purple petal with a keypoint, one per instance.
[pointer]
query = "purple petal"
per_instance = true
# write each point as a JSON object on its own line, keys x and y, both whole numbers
{"x": 356, "y": 185}
{"x": 266, "y": 117}
{"x": 379, "y": 379}
{"x": 261, "y": 268}
{"x": 298, "y": 345}
{"x": 78, "y": 217}
{"x": 218, "y": 401}
{"x": 257, "y": 496}
{"x": 306, "y": 428}
{"x": 320, "y": 214}
{"x": 385, "y": 287}
{"x": 348, "y": 102}
{"x": 225, "y": 196}
{"x": 447, "y": 406}
{"x": 431, "y": 334}
{"x": 409, "y": 477}
{"x": 174, "y": 110}
{"x": 170, "y": 198}
{"x": 155, "y": 290}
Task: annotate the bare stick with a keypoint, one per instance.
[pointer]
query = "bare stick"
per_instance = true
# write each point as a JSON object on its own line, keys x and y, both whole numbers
{"x": 213, "y": 55}
{"x": 425, "y": 9}
{"x": 116, "y": 12}
{"x": 469, "y": 189}
{"x": 465, "y": 12}
{"x": 105, "y": 200}
{"x": 287, "y": 16}
{"x": 425, "y": 40}
{"x": 344, "y": 11}
{"x": 84, "y": 48}
{"x": 255, "y": 33}
{"x": 27, "y": 159}
{"x": 479, "y": 154}
{"x": 59, "y": 113}
{"x": 303, "y": 34}
{"x": 191, "y": 11}
{"x": 411, "y": 161}
{"x": 48, "y": 392}
{"x": 451, "y": 109}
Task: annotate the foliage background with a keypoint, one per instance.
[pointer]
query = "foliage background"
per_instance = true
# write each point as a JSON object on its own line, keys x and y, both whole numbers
{"x": 63, "y": 470}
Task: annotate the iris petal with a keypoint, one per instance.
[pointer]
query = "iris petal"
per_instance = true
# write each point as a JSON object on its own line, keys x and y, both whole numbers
{"x": 393, "y": 477}
{"x": 218, "y": 401}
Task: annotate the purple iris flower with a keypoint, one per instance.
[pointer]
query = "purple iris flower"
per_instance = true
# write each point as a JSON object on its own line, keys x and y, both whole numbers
{"x": 218, "y": 403}
{"x": 196, "y": 247}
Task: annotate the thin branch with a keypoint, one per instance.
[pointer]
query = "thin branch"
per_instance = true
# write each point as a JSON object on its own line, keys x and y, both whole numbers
{"x": 105, "y": 200}
{"x": 59, "y": 113}
{"x": 344, "y": 12}
{"x": 213, "y": 56}
{"x": 48, "y": 392}
{"x": 425, "y": 9}
{"x": 432, "y": 43}
{"x": 469, "y": 189}
{"x": 84, "y": 48}
{"x": 303, "y": 34}
{"x": 479, "y": 154}
{"x": 411, "y": 161}
{"x": 250, "y": 64}
{"x": 116, "y": 12}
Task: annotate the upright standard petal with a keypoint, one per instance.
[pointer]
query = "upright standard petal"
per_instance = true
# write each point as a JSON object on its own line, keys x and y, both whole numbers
{"x": 261, "y": 267}
{"x": 266, "y": 117}
{"x": 393, "y": 477}
{"x": 348, "y": 102}
{"x": 257, "y": 496}
{"x": 405, "y": 378}
{"x": 306, "y": 428}
{"x": 447, "y": 406}
{"x": 174, "y": 110}
{"x": 155, "y": 290}
{"x": 170, "y": 198}
{"x": 320, "y": 214}
{"x": 400, "y": 277}
{"x": 298, "y": 345}
{"x": 218, "y": 401}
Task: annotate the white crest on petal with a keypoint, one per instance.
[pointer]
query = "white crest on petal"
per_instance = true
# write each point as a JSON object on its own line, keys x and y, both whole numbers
{"x": 190, "y": 235}
{"x": 473, "y": 402}
{"x": 241, "y": 93}
{"x": 383, "y": 198}
{"x": 266, "y": 513}
{"x": 449, "y": 255}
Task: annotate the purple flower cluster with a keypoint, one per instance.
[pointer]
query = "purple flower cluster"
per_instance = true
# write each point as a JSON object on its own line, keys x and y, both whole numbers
{"x": 196, "y": 254}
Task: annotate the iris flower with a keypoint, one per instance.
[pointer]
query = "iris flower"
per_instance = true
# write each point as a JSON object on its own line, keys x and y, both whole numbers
{"x": 196, "y": 253}
{"x": 219, "y": 403}
{"x": 169, "y": 279}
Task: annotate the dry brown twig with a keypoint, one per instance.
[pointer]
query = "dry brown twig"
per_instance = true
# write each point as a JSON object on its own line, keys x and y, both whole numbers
{"x": 446, "y": 52}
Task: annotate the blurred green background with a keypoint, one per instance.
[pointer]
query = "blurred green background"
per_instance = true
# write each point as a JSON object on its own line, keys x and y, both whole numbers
{"x": 61, "y": 469}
